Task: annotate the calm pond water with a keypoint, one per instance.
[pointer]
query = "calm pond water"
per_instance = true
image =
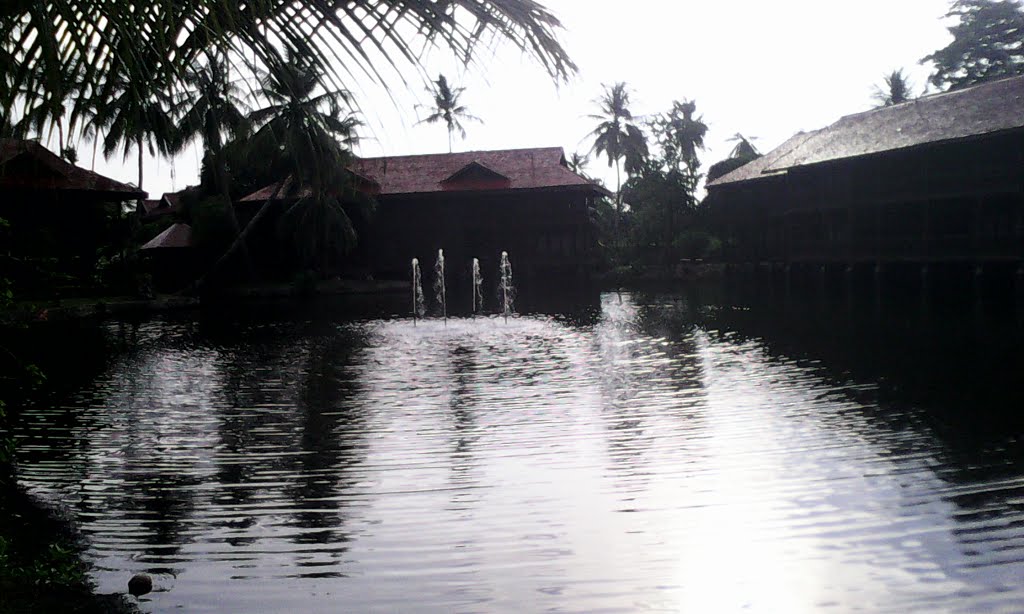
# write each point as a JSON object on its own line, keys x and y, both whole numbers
{"x": 700, "y": 452}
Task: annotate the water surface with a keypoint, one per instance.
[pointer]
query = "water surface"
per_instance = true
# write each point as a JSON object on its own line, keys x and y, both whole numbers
{"x": 644, "y": 452}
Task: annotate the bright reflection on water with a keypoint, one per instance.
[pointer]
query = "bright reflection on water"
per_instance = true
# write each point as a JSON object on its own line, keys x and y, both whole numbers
{"x": 654, "y": 454}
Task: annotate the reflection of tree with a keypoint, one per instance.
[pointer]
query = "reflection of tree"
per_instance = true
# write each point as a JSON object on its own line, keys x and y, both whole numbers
{"x": 331, "y": 428}
{"x": 461, "y": 405}
{"x": 161, "y": 503}
{"x": 651, "y": 381}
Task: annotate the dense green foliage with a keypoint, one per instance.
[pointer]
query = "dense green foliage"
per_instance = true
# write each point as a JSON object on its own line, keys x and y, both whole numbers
{"x": 301, "y": 146}
{"x": 653, "y": 218}
{"x": 986, "y": 44}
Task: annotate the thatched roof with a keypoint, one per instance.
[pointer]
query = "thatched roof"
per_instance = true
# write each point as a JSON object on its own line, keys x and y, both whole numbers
{"x": 989, "y": 108}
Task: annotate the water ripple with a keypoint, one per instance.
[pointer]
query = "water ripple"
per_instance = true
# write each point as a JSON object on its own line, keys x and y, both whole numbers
{"x": 650, "y": 459}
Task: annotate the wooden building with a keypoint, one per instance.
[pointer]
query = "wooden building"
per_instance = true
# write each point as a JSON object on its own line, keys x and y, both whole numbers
{"x": 935, "y": 181}
{"x": 171, "y": 258}
{"x": 474, "y": 205}
{"x": 171, "y": 203}
{"x": 59, "y": 217}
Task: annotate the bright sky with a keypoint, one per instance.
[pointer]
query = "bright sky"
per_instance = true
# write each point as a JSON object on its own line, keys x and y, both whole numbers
{"x": 766, "y": 69}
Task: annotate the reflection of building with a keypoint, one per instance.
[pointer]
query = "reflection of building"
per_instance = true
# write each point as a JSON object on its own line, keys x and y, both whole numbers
{"x": 935, "y": 180}
{"x": 59, "y": 216}
{"x": 475, "y": 204}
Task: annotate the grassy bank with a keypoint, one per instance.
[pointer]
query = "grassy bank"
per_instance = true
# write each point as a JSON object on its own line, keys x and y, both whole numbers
{"x": 41, "y": 569}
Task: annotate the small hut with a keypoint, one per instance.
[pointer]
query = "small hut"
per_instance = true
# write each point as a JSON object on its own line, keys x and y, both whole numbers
{"x": 60, "y": 219}
{"x": 171, "y": 258}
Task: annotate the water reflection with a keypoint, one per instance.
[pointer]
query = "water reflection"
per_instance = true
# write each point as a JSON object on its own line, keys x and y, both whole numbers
{"x": 696, "y": 451}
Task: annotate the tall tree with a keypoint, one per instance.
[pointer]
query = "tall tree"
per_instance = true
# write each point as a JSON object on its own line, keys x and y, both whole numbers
{"x": 618, "y": 138}
{"x": 448, "y": 109}
{"x": 211, "y": 108}
{"x": 306, "y": 134}
{"x": 137, "y": 116}
{"x": 897, "y": 89}
{"x": 986, "y": 44}
{"x": 681, "y": 135}
{"x": 664, "y": 192}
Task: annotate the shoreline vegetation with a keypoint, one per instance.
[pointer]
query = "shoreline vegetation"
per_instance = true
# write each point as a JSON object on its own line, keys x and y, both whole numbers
{"x": 41, "y": 569}
{"x": 57, "y": 310}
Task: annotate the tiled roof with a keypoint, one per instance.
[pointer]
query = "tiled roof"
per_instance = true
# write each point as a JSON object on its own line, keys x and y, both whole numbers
{"x": 176, "y": 235}
{"x": 525, "y": 169}
{"x": 423, "y": 174}
{"x": 987, "y": 108}
{"x": 170, "y": 202}
{"x": 44, "y": 170}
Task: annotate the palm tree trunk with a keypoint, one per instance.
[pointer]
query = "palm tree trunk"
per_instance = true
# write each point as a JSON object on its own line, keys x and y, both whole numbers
{"x": 325, "y": 241}
{"x": 141, "y": 204}
{"x": 618, "y": 203}
{"x": 449, "y": 140}
{"x": 221, "y": 177}
{"x": 239, "y": 242}
{"x": 138, "y": 142}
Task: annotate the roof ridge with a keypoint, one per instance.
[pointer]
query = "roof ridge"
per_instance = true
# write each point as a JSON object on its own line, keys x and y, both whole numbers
{"x": 462, "y": 153}
{"x": 930, "y": 97}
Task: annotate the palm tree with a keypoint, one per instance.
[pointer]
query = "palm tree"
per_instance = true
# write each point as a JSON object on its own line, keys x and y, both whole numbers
{"x": 744, "y": 149}
{"x": 212, "y": 108}
{"x": 447, "y": 109}
{"x": 742, "y": 153}
{"x": 305, "y": 132}
{"x": 93, "y": 43}
{"x": 577, "y": 162}
{"x": 682, "y": 135}
{"x": 137, "y": 115}
{"x": 898, "y": 89}
{"x": 618, "y": 138}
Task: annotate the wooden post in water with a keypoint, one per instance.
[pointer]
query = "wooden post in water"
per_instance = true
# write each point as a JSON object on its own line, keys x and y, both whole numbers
{"x": 879, "y": 282}
{"x": 926, "y": 285}
{"x": 1018, "y": 290}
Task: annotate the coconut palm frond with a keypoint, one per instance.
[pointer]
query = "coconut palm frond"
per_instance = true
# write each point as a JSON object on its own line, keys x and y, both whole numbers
{"x": 72, "y": 57}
